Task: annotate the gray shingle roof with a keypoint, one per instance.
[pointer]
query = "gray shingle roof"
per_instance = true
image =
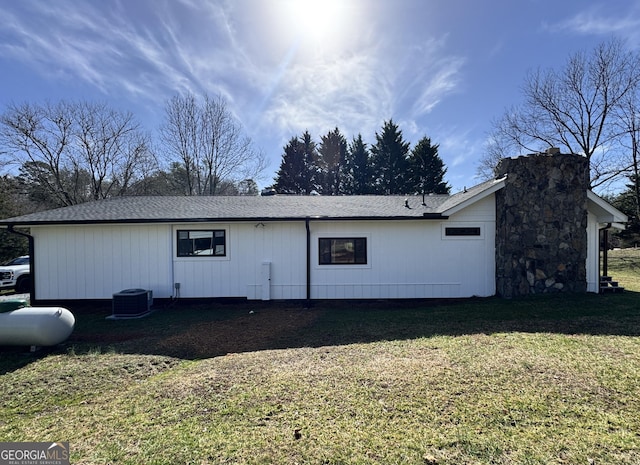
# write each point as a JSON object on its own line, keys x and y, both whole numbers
{"x": 219, "y": 208}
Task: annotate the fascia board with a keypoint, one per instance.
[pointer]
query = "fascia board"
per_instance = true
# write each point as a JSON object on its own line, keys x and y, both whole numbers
{"x": 476, "y": 198}
{"x": 604, "y": 211}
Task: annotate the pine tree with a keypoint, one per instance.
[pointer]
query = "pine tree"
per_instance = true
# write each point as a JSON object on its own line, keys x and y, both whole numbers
{"x": 298, "y": 172}
{"x": 389, "y": 161}
{"x": 426, "y": 170}
{"x": 332, "y": 154}
{"x": 357, "y": 179}
{"x": 628, "y": 202}
{"x": 12, "y": 203}
{"x": 310, "y": 157}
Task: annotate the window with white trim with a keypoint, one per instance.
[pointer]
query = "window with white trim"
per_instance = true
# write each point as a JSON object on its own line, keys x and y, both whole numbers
{"x": 202, "y": 243}
{"x": 342, "y": 250}
{"x": 462, "y": 231}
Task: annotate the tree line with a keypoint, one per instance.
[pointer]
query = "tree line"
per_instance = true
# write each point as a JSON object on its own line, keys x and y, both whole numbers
{"x": 70, "y": 152}
{"x": 67, "y": 153}
{"x": 336, "y": 166}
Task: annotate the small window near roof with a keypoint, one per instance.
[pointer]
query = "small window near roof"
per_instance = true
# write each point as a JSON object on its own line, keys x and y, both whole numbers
{"x": 202, "y": 243}
{"x": 343, "y": 251}
{"x": 468, "y": 231}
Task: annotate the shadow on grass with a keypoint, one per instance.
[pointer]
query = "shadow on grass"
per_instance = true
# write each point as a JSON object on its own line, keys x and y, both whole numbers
{"x": 194, "y": 330}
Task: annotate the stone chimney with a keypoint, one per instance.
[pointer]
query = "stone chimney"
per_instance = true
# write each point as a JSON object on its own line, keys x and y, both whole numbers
{"x": 541, "y": 224}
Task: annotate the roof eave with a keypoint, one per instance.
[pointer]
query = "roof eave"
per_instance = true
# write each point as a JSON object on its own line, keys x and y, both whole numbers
{"x": 604, "y": 211}
{"x": 27, "y": 224}
{"x": 491, "y": 189}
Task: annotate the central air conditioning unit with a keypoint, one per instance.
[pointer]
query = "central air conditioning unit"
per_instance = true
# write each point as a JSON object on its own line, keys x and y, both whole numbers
{"x": 131, "y": 303}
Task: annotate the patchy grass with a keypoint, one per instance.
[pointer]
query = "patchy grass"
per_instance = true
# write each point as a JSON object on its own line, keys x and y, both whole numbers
{"x": 624, "y": 265}
{"x": 482, "y": 381}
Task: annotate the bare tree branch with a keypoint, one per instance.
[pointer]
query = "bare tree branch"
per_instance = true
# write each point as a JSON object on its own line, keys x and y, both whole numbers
{"x": 209, "y": 144}
{"x": 75, "y": 151}
{"x": 575, "y": 109}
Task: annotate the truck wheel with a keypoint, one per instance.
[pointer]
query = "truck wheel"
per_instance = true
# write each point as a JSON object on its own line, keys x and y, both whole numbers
{"x": 23, "y": 285}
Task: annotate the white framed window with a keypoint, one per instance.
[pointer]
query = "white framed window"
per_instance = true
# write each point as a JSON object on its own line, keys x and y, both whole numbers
{"x": 462, "y": 231}
{"x": 342, "y": 251}
{"x": 201, "y": 243}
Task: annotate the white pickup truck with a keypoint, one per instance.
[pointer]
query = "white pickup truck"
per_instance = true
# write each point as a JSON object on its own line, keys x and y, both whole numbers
{"x": 15, "y": 275}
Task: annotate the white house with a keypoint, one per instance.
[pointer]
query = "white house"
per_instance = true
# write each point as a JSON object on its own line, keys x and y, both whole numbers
{"x": 293, "y": 247}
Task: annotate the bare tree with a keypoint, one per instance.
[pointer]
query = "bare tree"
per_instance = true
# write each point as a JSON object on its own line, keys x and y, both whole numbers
{"x": 629, "y": 123}
{"x": 209, "y": 144}
{"x": 180, "y": 136}
{"x": 75, "y": 152}
{"x": 42, "y": 135}
{"x": 112, "y": 147}
{"x": 574, "y": 109}
{"x": 497, "y": 146}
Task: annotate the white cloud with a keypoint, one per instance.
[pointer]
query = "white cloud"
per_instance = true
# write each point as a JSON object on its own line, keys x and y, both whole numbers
{"x": 115, "y": 51}
{"x": 358, "y": 90}
{"x": 427, "y": 74}
{"x": 349, "y": 93}
{"x": 443, "y": 81}
{"x": 152, "y": 50}
{"x": 599, "y": 20}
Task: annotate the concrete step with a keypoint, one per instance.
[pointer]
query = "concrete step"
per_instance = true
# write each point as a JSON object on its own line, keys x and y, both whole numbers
{"x": 611, "y": 290}
{"x": 609, "y": 286}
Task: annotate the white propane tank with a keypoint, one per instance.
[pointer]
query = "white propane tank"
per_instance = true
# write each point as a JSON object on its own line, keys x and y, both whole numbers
{"x": 36, "y": 326}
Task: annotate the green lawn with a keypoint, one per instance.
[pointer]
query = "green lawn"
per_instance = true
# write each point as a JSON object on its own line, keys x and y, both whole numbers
{"x": 624, "y": 265}
{"x": 543, "y": 380}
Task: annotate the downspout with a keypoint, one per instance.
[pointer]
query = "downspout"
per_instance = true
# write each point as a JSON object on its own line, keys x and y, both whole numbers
{"x": 32, "y": 275}
{"x": 306, "y": 224}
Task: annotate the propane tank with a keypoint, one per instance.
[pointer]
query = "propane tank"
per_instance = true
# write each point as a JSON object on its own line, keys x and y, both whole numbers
{"x": 36, "y": 326}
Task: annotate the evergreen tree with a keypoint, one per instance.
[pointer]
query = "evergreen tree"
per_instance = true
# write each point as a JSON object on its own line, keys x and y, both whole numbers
{"x": 310, "y": 157}
{"x": 426, "y": 170}
{"x": 298, "y": 172}
{"x": 38, "y": 181}
{"x": 628, "y": 202}
{"x": 357, "y": 172}
{"x": 389, "y": 161}
{"x": 12, "y": 203}
{"x": 291, "y": 168}
{"x": 332, "y": 153}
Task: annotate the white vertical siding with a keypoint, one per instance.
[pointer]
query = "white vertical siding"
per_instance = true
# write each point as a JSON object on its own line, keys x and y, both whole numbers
{"x": 95, "y": 261}
{"x": 411, "y": 259}
{"x": 593, "y": 254}
{"x": 406, "y": 259}
{"x": 239, "y": 274}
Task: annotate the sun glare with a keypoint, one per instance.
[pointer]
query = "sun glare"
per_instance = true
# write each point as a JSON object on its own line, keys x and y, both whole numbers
{"x": 316, "y": 20}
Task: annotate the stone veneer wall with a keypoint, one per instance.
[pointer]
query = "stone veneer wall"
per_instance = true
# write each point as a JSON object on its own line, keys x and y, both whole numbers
{"x": 541, "y": 225}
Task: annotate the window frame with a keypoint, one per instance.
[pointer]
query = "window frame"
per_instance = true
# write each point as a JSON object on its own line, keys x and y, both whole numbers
{"x": 455, "y": 231}
{"x": 214, "y": 245}
{"x": 356, "y": 254}
{"x": 463, "y": 226}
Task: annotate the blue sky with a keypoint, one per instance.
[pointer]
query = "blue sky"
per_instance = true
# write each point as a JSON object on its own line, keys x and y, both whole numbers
{"x": 439, "y": 68}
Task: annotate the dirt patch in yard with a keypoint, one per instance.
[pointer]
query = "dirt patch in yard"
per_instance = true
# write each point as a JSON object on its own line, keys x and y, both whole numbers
{"x": 262, "y": 329}
{"x": 196, "y": 332}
